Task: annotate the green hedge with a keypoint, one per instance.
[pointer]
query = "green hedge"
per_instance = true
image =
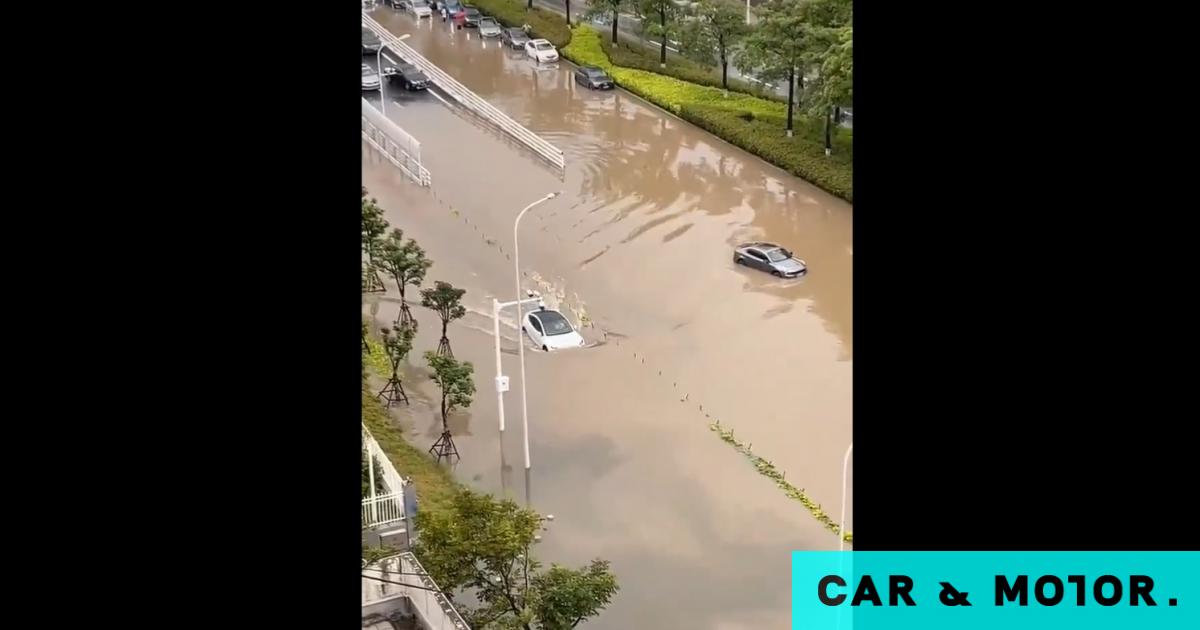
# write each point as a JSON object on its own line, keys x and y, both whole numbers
{"x": 632, "y": 55}
{"x": 752, "y": 123}
{"x": 545, "y": 24}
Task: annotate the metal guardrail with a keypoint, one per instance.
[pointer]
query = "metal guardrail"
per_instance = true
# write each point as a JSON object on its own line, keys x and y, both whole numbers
{"x": 432, "y": 606}
{"x": 394, "y": 143}
{"x": 467, "y": 98}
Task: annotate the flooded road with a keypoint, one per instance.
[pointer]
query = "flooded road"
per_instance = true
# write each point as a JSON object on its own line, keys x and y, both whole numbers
{"x": 641, "y": 240}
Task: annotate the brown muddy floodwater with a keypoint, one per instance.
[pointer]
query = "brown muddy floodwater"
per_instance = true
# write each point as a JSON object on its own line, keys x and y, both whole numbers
{"x": 641, "y": 241}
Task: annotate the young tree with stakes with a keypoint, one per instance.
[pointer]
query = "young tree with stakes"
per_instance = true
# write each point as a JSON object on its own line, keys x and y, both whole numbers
{"x": 445, "y": 300}
{"x": 480, "y": 548}
{"x": 405, "y": 261}
{"x": 779, "y": 47}
{"x": 455, "y": 380}
{"x": 374, "y": 226}
{"x": 715, "y": 34}
{"x": 397, "y": 346}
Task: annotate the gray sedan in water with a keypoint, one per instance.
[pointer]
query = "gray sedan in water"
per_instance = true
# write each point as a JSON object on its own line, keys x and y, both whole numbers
{"x": 770, "y": 258}
{"x": 489, "y": 27}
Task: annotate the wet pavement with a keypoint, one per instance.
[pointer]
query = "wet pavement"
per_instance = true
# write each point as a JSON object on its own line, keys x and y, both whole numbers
{"x": 642, "y": 242}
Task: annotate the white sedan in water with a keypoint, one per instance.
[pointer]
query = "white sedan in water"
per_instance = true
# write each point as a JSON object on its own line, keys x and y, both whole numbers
{"x": 541, "y": 51}
{"x": 550, "y": 330}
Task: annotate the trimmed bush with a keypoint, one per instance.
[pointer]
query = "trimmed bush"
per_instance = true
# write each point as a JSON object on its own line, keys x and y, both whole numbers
{"x": 545, "y": 24}
{"x": 752, "y": 123}
{"x": 630, "y": 55}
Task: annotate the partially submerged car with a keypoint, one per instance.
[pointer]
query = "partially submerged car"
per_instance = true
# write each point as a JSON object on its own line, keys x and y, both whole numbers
{"x": 550, "y": 330}
{"x": 489, "y": 27}
{"x": 769, "y": 257}
{"x": 370, "y": 79}
{"x": 515, "y": 38}
{"x": 407, "y": 76}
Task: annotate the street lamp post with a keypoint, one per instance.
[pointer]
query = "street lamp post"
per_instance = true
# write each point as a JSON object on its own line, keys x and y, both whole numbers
{"x": 501, "y": 380}
{"x": 520, "y": 339}
{"x": 842, "y": 526}
{"x": 379, "y": 71}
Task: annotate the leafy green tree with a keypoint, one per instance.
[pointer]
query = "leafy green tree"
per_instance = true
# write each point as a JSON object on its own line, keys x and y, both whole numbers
{"x": 397, "y": 344}
{"x": 373, "y": 227}
{"x": 715, "y": 34}
{"x": 834, "y": 86}
{"x": 604, "y": 7}
{"x": 406, "y": 262}
{"x": 445, "y": 300}
{"x": 661, "y": 18}
{"x": 778, "y": 47}
{"x": 455, "y": 379}
{"x": 480, "y": 546}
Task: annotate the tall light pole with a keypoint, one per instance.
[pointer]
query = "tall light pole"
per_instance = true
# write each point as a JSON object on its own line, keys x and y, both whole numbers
{"x": 520, "y": 339}
{"x": 842, "y": 526}
{"x": 379, "y": 71}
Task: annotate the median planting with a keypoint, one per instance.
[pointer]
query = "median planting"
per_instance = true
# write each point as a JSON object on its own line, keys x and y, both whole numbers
{"x": 752, "y": 123}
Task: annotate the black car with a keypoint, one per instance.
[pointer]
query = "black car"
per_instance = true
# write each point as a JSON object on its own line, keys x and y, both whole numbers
{"x": 770, "y": 258}
{"x": 593, "y": 78}
{"x": 473, "y": 16}
{"x": 407, "y": 76}
{"x": 514, "y": 38}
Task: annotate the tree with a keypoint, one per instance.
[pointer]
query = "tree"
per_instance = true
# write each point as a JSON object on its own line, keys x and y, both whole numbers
{"x": 374, "y": 225}
{"x": 480, "y": 546}
{"x": 716, "y": 32}
{"x": 397, "y": 346}
{"x": 405, "y": 261}
{"x": 445, "y": 300}
{"x": 455, "y": 380}
{"x": 603, "y": 7}
{"x": 667, "y": 14}
{"x": 834, "y": 86}
{"x": 778, "y": 47}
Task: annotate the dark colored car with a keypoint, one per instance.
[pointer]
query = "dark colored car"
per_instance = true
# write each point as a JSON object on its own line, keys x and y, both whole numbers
{"x": 473, "y": 16}
{"x": 370, "y": 42}
{"x": 770, "y": 258}
{"x": 514, "y": 38}
{"x": 407, "y": 76}
{"x": 593, "y": 78}
{"x": 453, "y": 7}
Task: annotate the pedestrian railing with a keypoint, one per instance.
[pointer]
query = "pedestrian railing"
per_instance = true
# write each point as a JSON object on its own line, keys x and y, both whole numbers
{"x": 383, "y": 509}
{"x": 405, "y": 577}
{"x": 467, "y": 98}
{"x": 394, "y": 143}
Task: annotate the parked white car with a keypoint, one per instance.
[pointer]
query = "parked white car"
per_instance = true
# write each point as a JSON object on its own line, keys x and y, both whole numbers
{"x": 420, "y": 8}
{"x": 541, "y": 51}
{"x": 550, "y": 330}
{"x": 370, "y": 78}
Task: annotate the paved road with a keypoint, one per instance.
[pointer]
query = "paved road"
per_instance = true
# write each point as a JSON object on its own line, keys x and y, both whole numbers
{"x": 642, "y": 238}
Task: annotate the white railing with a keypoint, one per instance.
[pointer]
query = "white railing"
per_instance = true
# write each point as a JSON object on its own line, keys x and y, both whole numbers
{"x": 466, "y": 97}
{"x": 391, "y": 478}
{"x": 395, "y": 144}
{"x": 434, "y": 609}
{"x": 383, "y": 509}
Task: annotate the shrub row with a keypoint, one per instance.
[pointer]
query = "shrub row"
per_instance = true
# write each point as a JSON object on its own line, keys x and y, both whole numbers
{"x": 545, "y": 24}
{"x": 628, "y": 56}
{"x": 754, "y": 124}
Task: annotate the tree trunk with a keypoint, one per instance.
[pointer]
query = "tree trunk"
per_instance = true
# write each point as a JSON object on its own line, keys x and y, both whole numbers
{"x": 530, "y": 5}
{"x": 445, "y": 323}
{"x": 829, "y": 132}
{"x": 445, "y": 423}
{"x": 568, "y": 12}
{"x": 616, "y": 16}
{"x": 662, "y": 53}
{"x": 791, "y": 88}
{"x": 724, "y": 70}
